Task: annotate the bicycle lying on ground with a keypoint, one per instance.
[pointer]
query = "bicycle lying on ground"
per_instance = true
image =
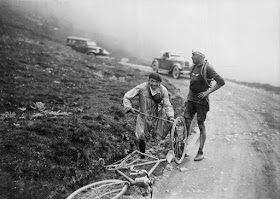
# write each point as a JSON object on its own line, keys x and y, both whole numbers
{"x": 127, "y": 167}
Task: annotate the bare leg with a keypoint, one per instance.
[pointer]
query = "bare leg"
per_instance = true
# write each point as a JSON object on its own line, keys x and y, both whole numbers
{"x": 188, "y": 125}
{"x": 202, "y": 137}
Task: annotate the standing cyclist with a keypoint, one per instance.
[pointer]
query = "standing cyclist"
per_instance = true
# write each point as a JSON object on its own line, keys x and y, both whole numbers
{"x": 201, "y": 76}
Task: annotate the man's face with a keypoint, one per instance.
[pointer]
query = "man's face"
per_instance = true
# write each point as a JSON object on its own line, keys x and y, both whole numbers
{"x": 197, "y": 58}
{"x": 154, "y": 84}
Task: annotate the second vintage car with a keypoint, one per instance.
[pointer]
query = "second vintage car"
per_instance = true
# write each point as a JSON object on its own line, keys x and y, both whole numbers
{"x": 86, "y": 46}
{"x": 171, "y": 62}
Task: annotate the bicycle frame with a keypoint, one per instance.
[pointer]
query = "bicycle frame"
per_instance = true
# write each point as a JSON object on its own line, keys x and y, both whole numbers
{"x": 141, "y": 181}
{"x": 116, "y": 188}
{"x": 144, "y": 181}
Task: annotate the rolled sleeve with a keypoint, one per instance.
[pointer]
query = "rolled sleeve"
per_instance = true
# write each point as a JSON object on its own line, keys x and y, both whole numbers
{"x": 212, "y": 74}
{"x": 129, "y": 95}
{"x": 219, "y": 80}
{"x": 166, "y": 104}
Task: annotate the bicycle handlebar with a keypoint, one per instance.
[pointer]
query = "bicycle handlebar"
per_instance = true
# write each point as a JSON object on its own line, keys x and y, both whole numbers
{"x": 137, "y": 172}
{"x": 137, "y": 111}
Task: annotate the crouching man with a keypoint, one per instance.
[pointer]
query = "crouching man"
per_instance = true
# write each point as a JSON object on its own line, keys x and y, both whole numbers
{"x": 154, "y": 101}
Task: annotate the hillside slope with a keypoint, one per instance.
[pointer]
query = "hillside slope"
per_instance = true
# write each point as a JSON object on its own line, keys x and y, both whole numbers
{"x": 60, "y": 111}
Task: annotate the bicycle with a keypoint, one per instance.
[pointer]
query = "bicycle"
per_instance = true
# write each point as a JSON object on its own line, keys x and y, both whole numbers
{"x": 177, "y": 137}
{"x": 115, "y": 188}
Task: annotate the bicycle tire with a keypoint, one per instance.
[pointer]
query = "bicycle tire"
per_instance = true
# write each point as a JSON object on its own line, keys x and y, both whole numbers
{"x": 177, "y": 134}
{"x": 106, "y": 189}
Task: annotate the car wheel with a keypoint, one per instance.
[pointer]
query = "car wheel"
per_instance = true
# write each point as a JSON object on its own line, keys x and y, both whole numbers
{"x": 155, "y": 66}
{"x": 176, "y": 72}
{"x": 92, "y": 54}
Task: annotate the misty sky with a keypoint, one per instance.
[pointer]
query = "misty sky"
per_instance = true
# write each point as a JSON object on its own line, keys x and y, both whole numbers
{"x": 241, "y": 38}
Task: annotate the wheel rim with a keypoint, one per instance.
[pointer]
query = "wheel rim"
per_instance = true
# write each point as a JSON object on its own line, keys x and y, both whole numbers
{"x": 177, "y": 137}
{"x": 176, "y": 72}
{"x": 102, "y": 189}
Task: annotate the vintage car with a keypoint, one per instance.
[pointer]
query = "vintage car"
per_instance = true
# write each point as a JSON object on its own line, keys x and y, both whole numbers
{"x": 171, "y": 62}
{"x": 86, "y": 46}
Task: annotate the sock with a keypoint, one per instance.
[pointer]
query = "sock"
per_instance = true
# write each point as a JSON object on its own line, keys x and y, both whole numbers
{"x": 142, "y": 147}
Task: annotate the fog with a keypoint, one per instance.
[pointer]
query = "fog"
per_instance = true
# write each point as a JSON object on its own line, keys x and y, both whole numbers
{"x": 239, "y": 37}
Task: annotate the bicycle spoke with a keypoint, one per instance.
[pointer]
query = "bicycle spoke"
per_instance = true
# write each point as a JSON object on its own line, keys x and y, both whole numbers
{"x": 109, "y": 193}
{"x": 179, "y": 149}
{"x": 177, "y": 133}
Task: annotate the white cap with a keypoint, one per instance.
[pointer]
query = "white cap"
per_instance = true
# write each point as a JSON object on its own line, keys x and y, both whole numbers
{"x": 198, "y": 53}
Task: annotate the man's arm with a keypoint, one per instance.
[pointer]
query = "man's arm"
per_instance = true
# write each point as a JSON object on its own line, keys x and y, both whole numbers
{"x": 212, "y": 74}
{"x": 219, "y": 83}
{"x": 128, "y": 96}
{"x": 166, "y": 104}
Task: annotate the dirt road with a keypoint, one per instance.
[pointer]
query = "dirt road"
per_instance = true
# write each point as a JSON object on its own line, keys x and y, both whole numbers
{"x": 242, "y": 150}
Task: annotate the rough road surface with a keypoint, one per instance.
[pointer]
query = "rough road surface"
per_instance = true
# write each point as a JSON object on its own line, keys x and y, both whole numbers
{"x": 242, "y": 150}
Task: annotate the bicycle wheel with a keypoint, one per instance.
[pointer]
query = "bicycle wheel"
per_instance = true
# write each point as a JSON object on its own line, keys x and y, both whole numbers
{"x": 107, "y": 189}
{"x": 177, "y": 138}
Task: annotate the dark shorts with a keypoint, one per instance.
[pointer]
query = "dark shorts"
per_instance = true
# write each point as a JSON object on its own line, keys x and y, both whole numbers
{"x": 192, "y": 108}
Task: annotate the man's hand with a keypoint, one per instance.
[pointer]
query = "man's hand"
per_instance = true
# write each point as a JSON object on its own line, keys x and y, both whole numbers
{"x": 171, "y": 119}
{"x": 132, "y": 110}
{"x": 204, "y": 94}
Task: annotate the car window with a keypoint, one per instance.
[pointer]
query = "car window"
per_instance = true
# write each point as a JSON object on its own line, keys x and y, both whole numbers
{"x": 72, "y": 41}
{"x": 78, "y": 43}
{"x": 83, "y": 43}
{"x": 177, "y": 56}
{"x": 165, "y": 55}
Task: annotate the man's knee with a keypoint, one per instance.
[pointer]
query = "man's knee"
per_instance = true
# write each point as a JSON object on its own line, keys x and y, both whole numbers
{"x": 201, "y": 126}
{"x": 141, "y": 136}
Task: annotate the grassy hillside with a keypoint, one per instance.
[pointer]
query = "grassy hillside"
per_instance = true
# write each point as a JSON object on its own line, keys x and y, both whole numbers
{"x": 60, "y": 111}
{"x": 53, "y": 20}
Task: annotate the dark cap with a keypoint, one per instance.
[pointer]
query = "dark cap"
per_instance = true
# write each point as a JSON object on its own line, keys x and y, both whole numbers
{"x": 155, "y": 76}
